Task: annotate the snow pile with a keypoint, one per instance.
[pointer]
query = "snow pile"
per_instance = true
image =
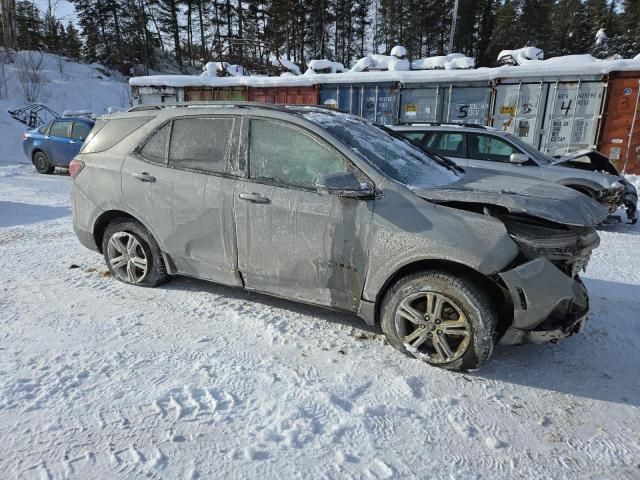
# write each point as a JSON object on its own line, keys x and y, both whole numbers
{"x": 81, "y": 113}
{"x": 396, "y": 62}
{"x": 324, "y": 66}
{"x": 452, "y": 61}
{"x": 399, "y": 51}
{"x": 519, "y": 56}
{"x": 284, "y": 62}
{"x": 381, "y": 62}
{"x": 601, "y": 37}
{"x": 211, "y": 69}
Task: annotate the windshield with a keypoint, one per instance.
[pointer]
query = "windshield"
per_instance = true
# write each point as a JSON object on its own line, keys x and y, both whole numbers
{"x": 392, "y": 155}
{"x": 532, "y": 152}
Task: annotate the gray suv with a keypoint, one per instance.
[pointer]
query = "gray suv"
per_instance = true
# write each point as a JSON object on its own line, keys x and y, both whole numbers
{"x": 325, "y": 208}
{"x": 476, "y": 146}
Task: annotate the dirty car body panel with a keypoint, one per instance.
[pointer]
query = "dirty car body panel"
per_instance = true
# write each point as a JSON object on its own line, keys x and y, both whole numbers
{"x": 259, "y": 221}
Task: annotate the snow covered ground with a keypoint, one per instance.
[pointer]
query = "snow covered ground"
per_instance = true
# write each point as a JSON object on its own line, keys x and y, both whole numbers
{"x": 195, "y": 380}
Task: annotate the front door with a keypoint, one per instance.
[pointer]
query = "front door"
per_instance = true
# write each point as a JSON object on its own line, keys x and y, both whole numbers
{"x": 492, "y": 153}
{"x": 293, "y": 242}
{"x": 183, "y": 190}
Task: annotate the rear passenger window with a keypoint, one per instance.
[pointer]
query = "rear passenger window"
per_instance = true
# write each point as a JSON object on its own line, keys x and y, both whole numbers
{"x": 80, "y": 130}
{"x": 413, "y": 136}
{"x": 59, "y": 129}
{"x": 201, "y": 144}
{"x": 155, "y": 149}
{"x": 106, "y": 133}
{"x": 449, "y": 144}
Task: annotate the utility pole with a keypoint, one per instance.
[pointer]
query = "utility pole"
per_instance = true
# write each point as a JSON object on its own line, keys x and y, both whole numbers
{"x": 453, "y": 26}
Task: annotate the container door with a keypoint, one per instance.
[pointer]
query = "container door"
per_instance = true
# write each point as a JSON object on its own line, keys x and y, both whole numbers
{"x": 421, "y": 105}
{"x": 468, "y": 104}
{"x": 329, "y": 96}
{"x": 572, "y": 116}
{"x": 621, "y": 131}
{"x": 379, "y": 103}
{"x": 519, "y": 108}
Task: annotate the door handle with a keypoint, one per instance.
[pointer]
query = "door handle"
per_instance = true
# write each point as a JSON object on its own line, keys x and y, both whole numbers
{"x": 253, "y": 197}
{"x": 144, "y": 177}
{"x": 72, "y": 141}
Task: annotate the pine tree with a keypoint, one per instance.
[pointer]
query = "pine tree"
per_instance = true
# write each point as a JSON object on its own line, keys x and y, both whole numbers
{"x": 28, "y": 25}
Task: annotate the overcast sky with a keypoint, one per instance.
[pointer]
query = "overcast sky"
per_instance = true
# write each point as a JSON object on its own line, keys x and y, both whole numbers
{"x": 63, "y": 9}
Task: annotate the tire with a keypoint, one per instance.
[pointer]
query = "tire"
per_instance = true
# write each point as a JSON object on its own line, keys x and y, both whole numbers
{"x": 465, "y": 321}
{"x": 41, "y": 162}
{"x": 140, "y": 261}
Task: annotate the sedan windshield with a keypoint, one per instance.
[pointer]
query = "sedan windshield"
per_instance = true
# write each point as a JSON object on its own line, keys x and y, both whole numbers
{"x": 392, "y": 155}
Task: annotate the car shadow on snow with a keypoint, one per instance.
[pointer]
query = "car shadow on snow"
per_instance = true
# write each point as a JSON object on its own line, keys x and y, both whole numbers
{"x": 237, "y": 293}
{"x": 13, "y": 213}
{"x": 600, "y": 363}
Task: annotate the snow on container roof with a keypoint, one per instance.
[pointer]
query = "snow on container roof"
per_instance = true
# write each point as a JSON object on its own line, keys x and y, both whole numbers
{"x": 577, "y": 65}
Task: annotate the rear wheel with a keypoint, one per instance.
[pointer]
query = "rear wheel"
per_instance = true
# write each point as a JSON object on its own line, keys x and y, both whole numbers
{"x": 132, "y": 254}
{"x": 42, "y": 163}
{"x": 440, "y": 318}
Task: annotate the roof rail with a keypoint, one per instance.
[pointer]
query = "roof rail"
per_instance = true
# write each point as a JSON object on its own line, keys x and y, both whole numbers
{"x": 221, "y": 104}
{"x": 444, "y": 124}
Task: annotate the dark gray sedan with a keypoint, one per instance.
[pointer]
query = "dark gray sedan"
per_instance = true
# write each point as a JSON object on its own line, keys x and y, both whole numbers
{"x": 326, "y": 208}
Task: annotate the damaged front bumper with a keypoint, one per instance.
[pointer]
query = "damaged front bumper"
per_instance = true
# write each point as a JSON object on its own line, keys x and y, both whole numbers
{"x": 547, "y": 303}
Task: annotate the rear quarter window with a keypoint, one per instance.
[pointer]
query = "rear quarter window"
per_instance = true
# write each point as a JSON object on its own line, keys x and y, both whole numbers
{"x": 107, "y": 133}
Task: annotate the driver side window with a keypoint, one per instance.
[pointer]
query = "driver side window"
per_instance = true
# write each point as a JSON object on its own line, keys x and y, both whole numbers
{"x": 486, "y": 147}
{"x": 279, "y": 153}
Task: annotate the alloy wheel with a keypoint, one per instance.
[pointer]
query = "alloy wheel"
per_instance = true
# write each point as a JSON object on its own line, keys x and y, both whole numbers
{"x": 127, "y": 258}
{"x": 432, "y": 326}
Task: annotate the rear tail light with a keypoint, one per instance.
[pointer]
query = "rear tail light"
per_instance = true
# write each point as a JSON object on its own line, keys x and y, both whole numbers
{"x": 75, "y": 167}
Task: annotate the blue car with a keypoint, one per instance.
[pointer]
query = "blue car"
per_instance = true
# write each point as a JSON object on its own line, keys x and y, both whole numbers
{"x": 55, "y": 143}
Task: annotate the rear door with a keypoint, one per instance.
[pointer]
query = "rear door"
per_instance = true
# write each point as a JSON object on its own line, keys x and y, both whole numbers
{"x": 180, "y": 183}
{"x": 62, "y": 148}
{"x": 293, "y": 242}
{"x": 79, "y": 132}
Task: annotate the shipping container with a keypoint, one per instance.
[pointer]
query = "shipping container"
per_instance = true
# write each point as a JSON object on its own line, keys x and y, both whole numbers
{"x": 620, "y": 133}
{"x": 209, "y": 94}
{"x": 421, "y": 103}
{"x": 344, "y": 97}
{"x": 518, "y": 108}
{"x": 467, "y": 102}
{"x": 374, "y": 101}
{"x": 285, "y": 95}
{"x": 155, "y": 95}
{"x": 572, "y": 115}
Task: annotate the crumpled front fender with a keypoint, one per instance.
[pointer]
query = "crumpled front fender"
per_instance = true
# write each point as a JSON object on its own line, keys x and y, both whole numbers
{"x": 547, "y": 303}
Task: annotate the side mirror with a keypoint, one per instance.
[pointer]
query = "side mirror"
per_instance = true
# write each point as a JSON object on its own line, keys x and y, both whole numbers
{"x": 518, "y": 158}
{"x": 343, "y": 185}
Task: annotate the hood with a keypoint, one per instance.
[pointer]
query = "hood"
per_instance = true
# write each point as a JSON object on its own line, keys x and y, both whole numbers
{"x": 590, "y": 160}
{"x": 517, "y": 194}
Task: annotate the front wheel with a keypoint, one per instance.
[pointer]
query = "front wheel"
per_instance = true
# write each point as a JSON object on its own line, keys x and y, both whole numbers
{"x": 440, "y": 318}
{"x": 132, "y": 254}
{"x": 42, "y": 164}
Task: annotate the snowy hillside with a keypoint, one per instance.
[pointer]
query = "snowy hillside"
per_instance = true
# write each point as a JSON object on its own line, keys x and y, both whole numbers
{"x": 65, "y": 85}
